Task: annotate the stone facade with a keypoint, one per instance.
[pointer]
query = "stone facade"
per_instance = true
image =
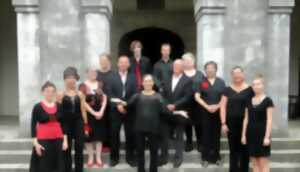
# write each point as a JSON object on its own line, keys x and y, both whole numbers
{"x": 53, "y": 35}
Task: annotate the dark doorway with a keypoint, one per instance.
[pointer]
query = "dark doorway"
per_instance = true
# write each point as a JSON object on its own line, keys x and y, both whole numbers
{"x": 152, "y": 38}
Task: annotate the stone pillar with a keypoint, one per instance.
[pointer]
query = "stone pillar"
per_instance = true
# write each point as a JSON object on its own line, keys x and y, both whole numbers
{"x": 278, "y": 56}
{"x": 96, "y": 29}
{"x": 28, "y": 60}
{"x": 245, "y": 35}
{"x": 210, "y": 16}
{"x": 60, "y": 39}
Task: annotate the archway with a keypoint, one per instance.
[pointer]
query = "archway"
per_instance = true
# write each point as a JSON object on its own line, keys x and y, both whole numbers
{"x": 152, "y": 38}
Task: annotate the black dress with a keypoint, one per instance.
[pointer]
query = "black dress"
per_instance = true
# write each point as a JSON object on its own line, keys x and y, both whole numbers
{"x": 211, "y": 125}
{"x": 74, "y": 127}
{"x": 257, "y": 118}
{"x": 98, "y": 132}
{"x": 236, "y": 105}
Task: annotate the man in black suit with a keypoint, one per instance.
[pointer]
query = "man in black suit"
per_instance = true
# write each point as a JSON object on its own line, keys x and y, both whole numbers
{"x": 139, "y": 64}
{"x": 121, "y": 87}
{"x": 177, "y": 92}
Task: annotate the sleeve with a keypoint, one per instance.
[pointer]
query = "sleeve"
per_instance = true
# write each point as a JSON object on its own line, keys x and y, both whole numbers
{"x": 270, "y": 103}
{"x": 187, "y": 96}
{"x": 132, "y": 101}
{"x": 157, "y": 76}
{"x": 34, "y": 120}
{"x": 162, "y": 106}
{"x": 225, "y": 92}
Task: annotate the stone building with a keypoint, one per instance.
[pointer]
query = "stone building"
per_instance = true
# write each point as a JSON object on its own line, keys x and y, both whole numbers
{"x": 39, "y": 38}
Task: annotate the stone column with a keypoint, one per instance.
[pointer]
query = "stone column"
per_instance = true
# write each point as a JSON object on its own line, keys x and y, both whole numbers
{"x": 210, "y": 15}
{"x": 96, "y": 29}
{"x": 278, "y": 56}
{"x": 245, "y": 35}
{"x": 28, "y": 60}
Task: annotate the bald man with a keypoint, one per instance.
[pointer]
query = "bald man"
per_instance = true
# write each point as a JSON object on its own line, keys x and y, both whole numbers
{"x": 177, "y": 94}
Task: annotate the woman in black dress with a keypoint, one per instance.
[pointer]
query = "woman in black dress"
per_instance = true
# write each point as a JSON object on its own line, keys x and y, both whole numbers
{"x": 74, "y": 118}
{"x": 49, "y": 139}
{"x": 208, "y": 96}
{"x": 195, "y": 113}
{"x": 233, "y": 107}
{"x": 149, "y": 108}
{"x": 104, "y": 75}
{"x": 96, "y": 105}
{"x": 257, "y": 126}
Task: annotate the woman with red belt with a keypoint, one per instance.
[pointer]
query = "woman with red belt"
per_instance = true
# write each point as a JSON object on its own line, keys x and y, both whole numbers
{"x": 49, "y": 139}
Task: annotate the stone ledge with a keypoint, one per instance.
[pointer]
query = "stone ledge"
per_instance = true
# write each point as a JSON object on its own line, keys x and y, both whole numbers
{"x": 26, "y": 6}
{"x": 281, "y": 6}
{"x": 97, "y": 6}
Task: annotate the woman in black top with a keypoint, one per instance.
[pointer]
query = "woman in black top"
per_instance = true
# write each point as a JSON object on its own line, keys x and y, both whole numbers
{"x": 232, "y": 114}
{"x": 74, "y": 118}
{"x": 149, "y": 108}
{"x": 104, "y": 75}
{"x": 195, "y": 113}
{"x": 208, "y": 96}
{"x": 96, "y": 105}
{"x": 257, "y": 126}
{"x": 49, "y": 139}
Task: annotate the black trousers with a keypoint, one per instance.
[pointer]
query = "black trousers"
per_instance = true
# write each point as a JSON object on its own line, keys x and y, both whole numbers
{"x": 75, "y": 133}
{"x": 164, "y": 140}
{"x": 239, "y": 159}
{"x": 52, "y": 159}
{"x": 179, "y": 141}
{"x": 195, "y": 113}
{"x": 115, "y": 126}
{"x": 211, "y": 133}
{"x": 141, "y": 138}
{"x": 189, "y": 133}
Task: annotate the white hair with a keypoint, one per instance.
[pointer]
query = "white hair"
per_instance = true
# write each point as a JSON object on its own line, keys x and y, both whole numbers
{"x": 189, "y": 56}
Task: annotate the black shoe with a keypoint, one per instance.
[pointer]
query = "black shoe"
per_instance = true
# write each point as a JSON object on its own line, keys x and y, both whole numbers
{"x": 113, "y": 163}
{"x": 205, "y": 164}
{"x": 132, "y": 163}
{"x": 177, "y": 163}
{"x": 162, "y": 162}
{"x": 188, "y": 147}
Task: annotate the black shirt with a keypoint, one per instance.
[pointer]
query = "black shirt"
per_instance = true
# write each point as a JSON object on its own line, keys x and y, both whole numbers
{"x": 162, "y": 71}
{"x": 237, "y": 101}
{"x": 211, "y": 94}
{"x": 39, "y": 115}
{"x": 148, "y": 109}
{"x": 104, "y": 77}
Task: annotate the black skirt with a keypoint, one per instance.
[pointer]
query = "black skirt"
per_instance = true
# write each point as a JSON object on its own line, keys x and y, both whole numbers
{"x": 52, "y": 157}
{"x": 99, "y": 127}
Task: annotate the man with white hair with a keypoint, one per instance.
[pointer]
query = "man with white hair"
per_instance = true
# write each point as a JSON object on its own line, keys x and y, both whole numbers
{"x": 195, "y": 113}
{"x": 177, "y": 92}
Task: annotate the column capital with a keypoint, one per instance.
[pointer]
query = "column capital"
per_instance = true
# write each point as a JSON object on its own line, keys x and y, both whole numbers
{"x": 26, "y": 6}
{"x": 97, "y": 6}
{"x": 208, "y": 7}
{"x": 281, "y": 6}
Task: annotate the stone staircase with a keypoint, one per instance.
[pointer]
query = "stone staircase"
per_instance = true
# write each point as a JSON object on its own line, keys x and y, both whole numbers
{"x": 15, "y": 155}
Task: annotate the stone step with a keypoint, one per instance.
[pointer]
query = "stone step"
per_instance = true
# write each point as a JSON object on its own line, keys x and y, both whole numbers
{"x": 277, "y": 143}
{"x": 23, "y": 156}
{"x": 186, "y": 167}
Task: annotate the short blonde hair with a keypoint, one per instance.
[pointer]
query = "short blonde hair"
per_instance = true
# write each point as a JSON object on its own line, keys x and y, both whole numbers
{"x": 259, "y": 76}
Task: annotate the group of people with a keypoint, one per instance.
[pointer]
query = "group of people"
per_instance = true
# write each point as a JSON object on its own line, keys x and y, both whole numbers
{"x": 156, "y": 105}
